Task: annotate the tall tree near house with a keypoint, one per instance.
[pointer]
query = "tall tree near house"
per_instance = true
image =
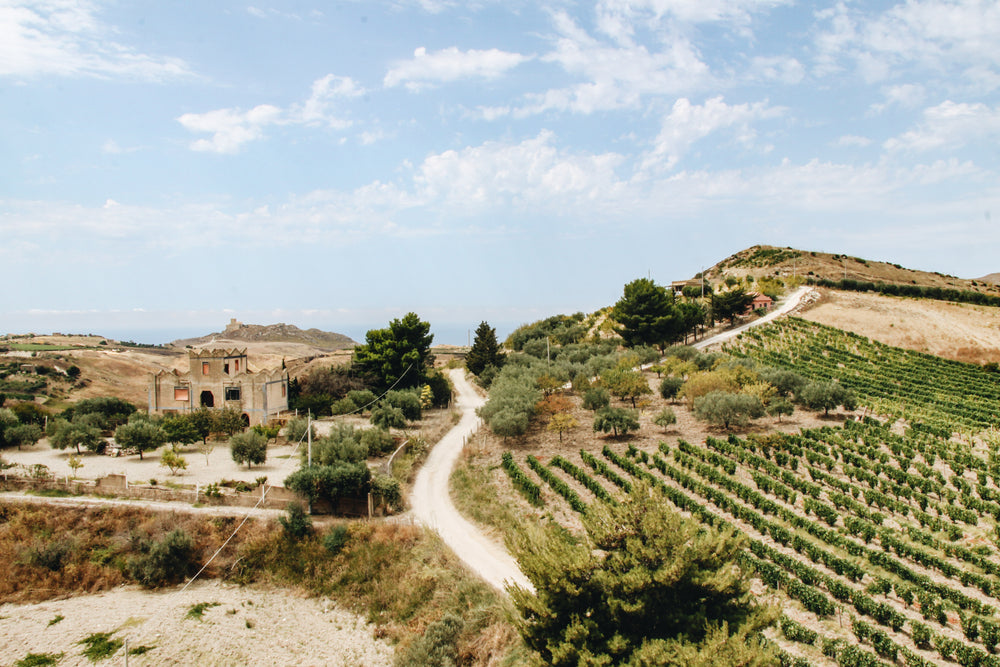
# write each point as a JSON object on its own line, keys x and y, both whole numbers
{"x": 485, "y": 350}
{"x": 730, "y": 305}
{"x": 646, "y": 314}
{"x": 398, "y": 356}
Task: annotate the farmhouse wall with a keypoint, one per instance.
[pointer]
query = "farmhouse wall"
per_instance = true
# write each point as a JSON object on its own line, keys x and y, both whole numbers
{"x": 220, "y": 378}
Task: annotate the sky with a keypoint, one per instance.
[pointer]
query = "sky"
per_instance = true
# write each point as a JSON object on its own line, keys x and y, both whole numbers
{"x": 167, "y": 166}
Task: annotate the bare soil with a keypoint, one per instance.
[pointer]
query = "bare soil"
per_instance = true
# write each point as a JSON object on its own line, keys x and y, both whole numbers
{"x": 239, "y": 626}
{"x": 958, "y": 331}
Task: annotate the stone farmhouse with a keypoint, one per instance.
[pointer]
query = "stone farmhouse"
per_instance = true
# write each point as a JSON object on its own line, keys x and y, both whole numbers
{"x": 220, "y": 379}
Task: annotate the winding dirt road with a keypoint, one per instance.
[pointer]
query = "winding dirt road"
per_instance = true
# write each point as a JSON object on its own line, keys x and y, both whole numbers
{"x": 432, "y": 506}
{"x": 431, "y": 498}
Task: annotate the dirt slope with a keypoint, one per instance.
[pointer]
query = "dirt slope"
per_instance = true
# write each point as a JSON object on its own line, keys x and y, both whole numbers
{"x": 953, "y": 330}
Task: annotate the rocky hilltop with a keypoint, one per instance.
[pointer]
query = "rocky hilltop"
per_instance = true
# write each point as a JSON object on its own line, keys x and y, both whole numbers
{"x": 273, "y": 333}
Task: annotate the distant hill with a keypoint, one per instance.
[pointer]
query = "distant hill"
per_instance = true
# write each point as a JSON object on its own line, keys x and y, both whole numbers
{"x": 763, "y": 260}
{"x": 273, "y": 333}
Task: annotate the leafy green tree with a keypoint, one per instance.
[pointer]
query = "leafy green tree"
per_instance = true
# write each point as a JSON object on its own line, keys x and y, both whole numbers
{"x": 645, "y": 587}
{"x": 248, "y": 447}
{"x": 29, "y": 413}
{"x": 398, "y": 355}
{"x": 227, "y": 421}
{"x": 23, "y": 435}
{"x": 730, "y": 305}
{"x": 647, "y": 314}
{"x": 8, "y": 420}
{"x": 180, "y": 429}
{"x": 113, "y": 411}
{"x": 485, "y": 350}
{"x": 509, "y": 424}
{"x": 141, "y": 435}
{"x": 728, "y": 409}
{"x": 202, "y": 421}
{"x": 826, "y": 396}
{"x": 596, "y": 398}
{"x": 780, "y": 406}
{"x": 626, "y": 384}
{"x": 68, "y": 434}
{"x": 295, "y": 430}
{"x": 408, "y": 401}
{"x": 73, "y": 372}
{"x": 618, "y": 421}
{"x": 665, "y": 418}
{"x": 670, "y": 387}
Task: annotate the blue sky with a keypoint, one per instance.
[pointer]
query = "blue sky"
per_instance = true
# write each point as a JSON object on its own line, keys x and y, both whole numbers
{"x": 167, "y": 166}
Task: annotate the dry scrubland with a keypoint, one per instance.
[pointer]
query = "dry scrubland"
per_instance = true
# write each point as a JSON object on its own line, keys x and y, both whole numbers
{"x": 957, "y": 331}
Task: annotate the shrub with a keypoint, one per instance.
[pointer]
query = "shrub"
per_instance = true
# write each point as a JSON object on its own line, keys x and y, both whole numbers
{"x": 336, "y": 539}
{"x": 665, "y": 418}
{"x": 670, "y": 387}
{"x": 296, "y": 524}
{"x": 344, "y": 406}
{"x": 596, "y": 398}
{"x": 438, "y": 646}
{"x": 387, "y": 416}
{"x": 728, "y": 409}
{"x": 377, "y": 441}
{"x": 165, "y": 562}
{"x": 407, "y": 401}
{"x": 361, "y": 399}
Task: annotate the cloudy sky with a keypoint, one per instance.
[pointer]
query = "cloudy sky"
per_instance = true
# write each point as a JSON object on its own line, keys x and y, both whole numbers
{"x": 167, "y": 166}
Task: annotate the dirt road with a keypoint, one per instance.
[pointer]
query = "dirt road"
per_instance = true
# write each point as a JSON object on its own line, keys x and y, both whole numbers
{"x": 432, "y": 506}
{"x": 431, "y": 498}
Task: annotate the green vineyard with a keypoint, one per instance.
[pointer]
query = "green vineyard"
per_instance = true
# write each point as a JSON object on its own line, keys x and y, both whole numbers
{"x": 879, "y": 536}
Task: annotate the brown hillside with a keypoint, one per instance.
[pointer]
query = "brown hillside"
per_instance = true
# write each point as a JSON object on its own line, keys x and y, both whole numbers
{"x": 764, "y": 260}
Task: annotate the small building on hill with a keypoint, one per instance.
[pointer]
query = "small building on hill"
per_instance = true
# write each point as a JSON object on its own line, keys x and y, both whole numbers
{"x": 760, "y": 301}
{"x": 220, "y": 379}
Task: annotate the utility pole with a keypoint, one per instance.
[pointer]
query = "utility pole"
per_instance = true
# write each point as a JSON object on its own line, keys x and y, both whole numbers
{"x": 309, "y": 437}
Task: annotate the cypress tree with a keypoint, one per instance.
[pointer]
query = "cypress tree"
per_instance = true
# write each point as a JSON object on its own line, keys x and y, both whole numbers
{"x": 485, "y": 350}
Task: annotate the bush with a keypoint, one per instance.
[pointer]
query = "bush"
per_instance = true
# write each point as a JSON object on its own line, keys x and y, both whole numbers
{"x": 336, "y": 539}
{"x": 596, "y": 398}
{"x": 407, "y": 401}
{"x": 665, "y": 418}
{"x": 386, "y": 489}
{"x": 166, "y": 562}
{"x": 344, "y": 406}
{"x": 377, "y": 441}
{"x": 296, "y": 524}
{"x": 387, "y": 416}
{"x": 295, "y": 430}
{"x": 438, "y": 647}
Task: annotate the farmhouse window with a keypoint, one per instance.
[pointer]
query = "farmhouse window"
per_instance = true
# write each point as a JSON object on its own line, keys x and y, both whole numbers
{"x": 232, "y": 393}
{"x": 225, "y": 368}
{"x": 237, "y": 366}
{"x": 284, "y": 390}
{"x": 181, "y": 394}
{"x": 204, "y": 368}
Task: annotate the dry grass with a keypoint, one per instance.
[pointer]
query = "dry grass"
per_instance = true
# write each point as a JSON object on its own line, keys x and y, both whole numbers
{"x": 47, "y": 552}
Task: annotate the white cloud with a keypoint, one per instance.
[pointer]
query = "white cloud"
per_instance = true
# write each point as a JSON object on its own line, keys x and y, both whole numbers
{"x": 853, "y": 141}
{"x": 907, "y": 95}
{"x": 615, "y": 76}
{"x": 427, "y": 69}
{"x": 232, "y": 128}
{"x": 949, "y": 125}
{"x": 688, "y": 123}
{"x": 781, "y": 69}
{"x": 617, "y": 17}
{"x": 66, "y": 38}
{"x": 937, "y": 34}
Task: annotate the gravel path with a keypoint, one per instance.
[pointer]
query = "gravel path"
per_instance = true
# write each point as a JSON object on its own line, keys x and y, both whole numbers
{"x": 432, "y": 506}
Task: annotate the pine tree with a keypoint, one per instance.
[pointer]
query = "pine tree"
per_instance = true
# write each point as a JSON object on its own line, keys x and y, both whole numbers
{"x": 647, "y": 586}
{"x": 485, "y": 350}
